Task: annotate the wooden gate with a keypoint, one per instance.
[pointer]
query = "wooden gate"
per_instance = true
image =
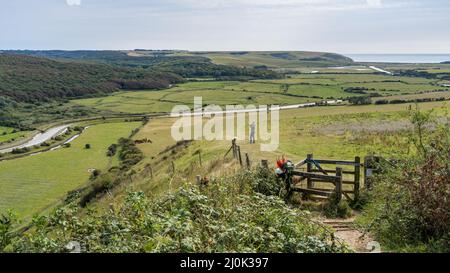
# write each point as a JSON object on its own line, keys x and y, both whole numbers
{"x": 346, "y": 181}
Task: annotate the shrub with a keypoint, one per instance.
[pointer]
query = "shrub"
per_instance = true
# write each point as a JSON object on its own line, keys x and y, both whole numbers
{"x": 87, "y": 146}
{"x": 112, "y": 150}
{"x": 408, "y": 207}
{"x": 381, "y": 102}
{"x": 226, "y": 216}
{"x": 129, "y": 154}
{"x": 95, "y": 173}
{"x": 362, "y": 100}
{"x": 264, "y": 181}
{"x": 20, "y": 150}
{"x": 335, "y": 208}
{"x": 100, "y": 184}
{"x": 6, "y": 229}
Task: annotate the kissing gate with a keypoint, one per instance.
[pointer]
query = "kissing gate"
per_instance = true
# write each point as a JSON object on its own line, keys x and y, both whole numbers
{"x": 322, "y": 180}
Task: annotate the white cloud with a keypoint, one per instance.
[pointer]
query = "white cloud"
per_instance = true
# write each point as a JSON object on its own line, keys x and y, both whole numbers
{"x": 304, "y": 4}
{"x": 374, "y": 3}
{"x": 73, "y": 2}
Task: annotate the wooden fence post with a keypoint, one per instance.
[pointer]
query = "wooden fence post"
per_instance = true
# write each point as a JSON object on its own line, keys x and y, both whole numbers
{"x": 247, "y": 160}
{"x": 233, "y": 145}
{"x": 339, "y": 184}
{"x": 239, "y": 155}
{"x": 200, "y": 157}
{"x": 151, "y": 171}
{"x": 265, "y": 163}
{"x": 369, "y": 170}
{"x": 357, "y": 177}
{"x": 309, "y": 157}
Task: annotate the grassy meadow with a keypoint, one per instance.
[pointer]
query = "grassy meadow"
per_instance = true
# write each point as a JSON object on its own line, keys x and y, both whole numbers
{"x": 339, "y": 132}
{"x": 10, "y": 134}
{"x": 298, "y": 88}
{"x": 32, "y": 184}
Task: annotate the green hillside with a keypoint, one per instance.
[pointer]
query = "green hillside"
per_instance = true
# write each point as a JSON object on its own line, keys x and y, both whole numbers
{"x": 269, "y": 59}
{"x": 26, "y": 78}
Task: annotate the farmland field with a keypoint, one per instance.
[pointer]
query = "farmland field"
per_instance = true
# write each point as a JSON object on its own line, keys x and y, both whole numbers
{"x": 33, "y": 183}
{"x": 272, "y": 59}
{"x": 340, "y": 132}
{"x": 295, "y": 89}
{"x": 329, "y": 132}
{"x": 7, "y": 134}
{"x": 433, "y": 95}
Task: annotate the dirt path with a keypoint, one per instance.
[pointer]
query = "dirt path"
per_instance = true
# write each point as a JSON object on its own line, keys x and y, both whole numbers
{"x": 346, "y": 231}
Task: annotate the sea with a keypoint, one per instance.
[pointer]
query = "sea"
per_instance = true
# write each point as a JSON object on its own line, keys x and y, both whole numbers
{"x": 400, "y": 58}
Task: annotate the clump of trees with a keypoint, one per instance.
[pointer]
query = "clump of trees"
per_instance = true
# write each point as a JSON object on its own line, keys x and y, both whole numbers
{"x": 361, "y": 100}
{"x": 191, "y": 68}
{"x": 20, "y": 150}
{"x": 356, "y": 90}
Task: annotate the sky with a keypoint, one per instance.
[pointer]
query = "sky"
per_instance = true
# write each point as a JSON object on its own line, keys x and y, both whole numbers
{"x": 342, "y": 26}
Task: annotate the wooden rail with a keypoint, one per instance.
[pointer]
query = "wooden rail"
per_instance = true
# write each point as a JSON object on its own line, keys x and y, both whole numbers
{"x": 316, "y": 173}
{"x": 313, "y": 177}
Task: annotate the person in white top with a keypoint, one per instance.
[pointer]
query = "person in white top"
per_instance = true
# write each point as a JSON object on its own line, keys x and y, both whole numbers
{"x": 252, "y": 132}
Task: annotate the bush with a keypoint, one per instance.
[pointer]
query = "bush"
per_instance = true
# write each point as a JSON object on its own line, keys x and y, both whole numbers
{"x": 95, "y": 173}
{"x": 335, "y": 208}
{"x": 226, "y": 216}
{"x": 100, "y": 184}
{"x": 409, "y": 206}
{"x": 87, "y": 146}
{"x": 129, "y": 154}
{"x": 20, "y": 150}
{"x": 264, "y": 181}
{"x": 112, "y": 150}
{"x": 6, "y": 229}
{"x": 381, "y": 102}
{"x": 362, "y": 100}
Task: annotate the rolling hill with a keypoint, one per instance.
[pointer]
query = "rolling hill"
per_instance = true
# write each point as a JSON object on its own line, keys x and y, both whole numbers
{"x": 26, "y": 78}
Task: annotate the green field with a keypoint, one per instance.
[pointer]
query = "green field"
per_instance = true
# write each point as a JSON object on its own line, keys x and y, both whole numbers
{"x": 221, "y": 93}
{"x": 301, "y": 88}
{"x": 9, "y": 134}
{"x": 340, "y": 132}
{"x": 272, "y": 59}
{"x": 433, "y": 95}
{"x": 31, "y": 184}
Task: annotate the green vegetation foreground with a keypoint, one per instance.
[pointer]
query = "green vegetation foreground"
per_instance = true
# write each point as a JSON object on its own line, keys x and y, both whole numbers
{"x": 233, "y": 214}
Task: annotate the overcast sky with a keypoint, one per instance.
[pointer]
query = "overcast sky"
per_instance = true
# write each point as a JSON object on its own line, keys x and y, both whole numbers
{"x": 343, "y": 26}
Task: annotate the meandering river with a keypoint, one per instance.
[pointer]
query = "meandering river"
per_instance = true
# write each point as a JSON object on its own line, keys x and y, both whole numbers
{"x": 39, "y": 138}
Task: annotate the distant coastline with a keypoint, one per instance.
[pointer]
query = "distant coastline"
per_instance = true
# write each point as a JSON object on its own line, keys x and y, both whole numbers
{"x": 400, "y": 58}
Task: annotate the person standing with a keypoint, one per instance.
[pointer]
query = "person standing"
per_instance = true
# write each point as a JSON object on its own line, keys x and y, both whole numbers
{"x": 252, "y": 132}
